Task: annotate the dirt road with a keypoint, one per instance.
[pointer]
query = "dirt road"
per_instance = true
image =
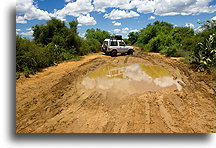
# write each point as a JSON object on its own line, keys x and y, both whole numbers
{"x": 61, "y": 99}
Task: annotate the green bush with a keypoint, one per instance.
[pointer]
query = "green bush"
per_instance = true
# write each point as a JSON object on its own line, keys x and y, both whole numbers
{"x": 154, "y": 44}
{"x": 204, "y": 57}
{"x": 169, "y": 50}
{"x": 53, "y": 43}
{"x": 93, "y": 45}
{"x": 31, "y": 57}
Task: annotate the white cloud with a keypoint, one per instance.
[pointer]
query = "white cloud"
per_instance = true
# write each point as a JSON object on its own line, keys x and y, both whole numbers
{"x": 35, "y": 13}
{"x": 29, "y": 28}
{"x": 86, "y": 20}
{"x": 159, "y": 7}
{"x": 125, "y": 30}
{"x": 76, "y": 9}
{"x": 29, "y": 12}
{"x": 119, "y": 14}
{"x": 17, "y": 31}
{"x": 116, "y": 30}
{"x": 23, "y": 6}
{"x": 134, "y": 30}
{"x": 21, "y": 20}
{"x": 147, "y": 6}
{"x": 189, "y": 25}
{"x": 101, "y": 5}
{"x": 116, "y": 23}
{"x": 58, "y": 14}
{"x": 29, "y": 33}
{"x": 174, "y": 7}
{"x": 214, "y": 18}
{"x": 151, "y": 18}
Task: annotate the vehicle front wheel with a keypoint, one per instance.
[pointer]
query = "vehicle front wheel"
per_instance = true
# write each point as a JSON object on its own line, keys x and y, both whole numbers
{"x": 130, "y": 52}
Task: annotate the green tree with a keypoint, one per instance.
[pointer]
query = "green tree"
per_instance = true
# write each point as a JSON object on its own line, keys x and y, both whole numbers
{"x": 133, "y": 37}
{"x": 97, "y": 34}
{"x": 73, "y": 26}
{"x": 44, "y": 33}
{"x": 179, "y": 33}
{"x": 153, "y": 30}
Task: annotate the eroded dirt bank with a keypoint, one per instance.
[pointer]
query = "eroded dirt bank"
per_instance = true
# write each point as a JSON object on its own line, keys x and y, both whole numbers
{"x": 53, "y": 101}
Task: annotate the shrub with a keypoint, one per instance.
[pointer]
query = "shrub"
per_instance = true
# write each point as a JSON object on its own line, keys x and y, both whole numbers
{"x": 89, "y": 45}
{"x": 154, "y": 44}
{"x": 31, "y": 57}
{"x": 204, "y": 57}
{"x": 170, "y": 50}
{"x": 54, "y": 42}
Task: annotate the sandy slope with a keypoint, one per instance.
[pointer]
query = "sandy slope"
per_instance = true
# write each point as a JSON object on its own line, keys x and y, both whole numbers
{"x": 52, "y": 102}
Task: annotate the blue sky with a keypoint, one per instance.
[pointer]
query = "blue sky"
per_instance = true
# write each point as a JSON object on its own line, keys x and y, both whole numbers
{"x": 115, "y": 16}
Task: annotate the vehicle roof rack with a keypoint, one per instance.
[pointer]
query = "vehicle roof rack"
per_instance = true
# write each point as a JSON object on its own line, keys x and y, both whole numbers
{"x": 117, "y": 37}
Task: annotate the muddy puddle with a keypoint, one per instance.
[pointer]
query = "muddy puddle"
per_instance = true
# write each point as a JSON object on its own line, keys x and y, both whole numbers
{"x": 132, "y": 79}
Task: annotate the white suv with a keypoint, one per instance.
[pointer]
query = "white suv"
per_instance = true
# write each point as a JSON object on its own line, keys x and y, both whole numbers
{"x": 113, "y": 46}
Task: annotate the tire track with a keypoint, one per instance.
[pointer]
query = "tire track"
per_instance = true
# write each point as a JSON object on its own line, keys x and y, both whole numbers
{"x": 166, "y": 115}
{"x": 148, "y": 121}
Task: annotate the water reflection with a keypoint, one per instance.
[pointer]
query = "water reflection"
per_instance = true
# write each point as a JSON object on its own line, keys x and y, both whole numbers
{"x": 136, "y": 78}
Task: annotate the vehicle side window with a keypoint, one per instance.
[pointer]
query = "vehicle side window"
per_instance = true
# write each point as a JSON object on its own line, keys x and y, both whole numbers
{"x": 113, "y": 43}
{"x": 121, "y": 44}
